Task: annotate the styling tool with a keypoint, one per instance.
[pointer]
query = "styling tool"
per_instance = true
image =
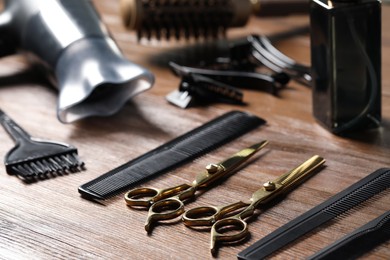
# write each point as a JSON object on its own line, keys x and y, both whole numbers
{"x": 360, "y": 241}
{"x": 165, "y": 204}
{"x": 357, "y": 193}
{"x": 255, "y": 51}
{"x": 199, "y": 19}
{"x": 346, "y": 58}
{"x": 218, "y": 216}
{"x": 32, "y": 159}
{"x": 82, "y": 59}
{"x": 199, "y": 89}
{"x": 266, "y": 54}
{"x": 172, "y": 154}
{"x": 220, "y": 85}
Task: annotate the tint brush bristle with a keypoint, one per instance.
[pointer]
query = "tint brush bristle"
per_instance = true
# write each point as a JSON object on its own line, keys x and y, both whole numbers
{"x": 32, "y": 159}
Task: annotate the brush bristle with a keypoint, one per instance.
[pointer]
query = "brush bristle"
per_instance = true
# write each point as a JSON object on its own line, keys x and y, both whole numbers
{"x": 42, "y": 167}
{"x": 184, "y": 19}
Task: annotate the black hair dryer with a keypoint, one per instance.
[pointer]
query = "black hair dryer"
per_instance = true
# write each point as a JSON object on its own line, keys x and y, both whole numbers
{"x": 93, "y": 77}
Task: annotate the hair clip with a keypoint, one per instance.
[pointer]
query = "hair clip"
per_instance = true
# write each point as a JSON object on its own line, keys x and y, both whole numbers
{"x": 253, "y": 52}
{"x": 220, "y": 85}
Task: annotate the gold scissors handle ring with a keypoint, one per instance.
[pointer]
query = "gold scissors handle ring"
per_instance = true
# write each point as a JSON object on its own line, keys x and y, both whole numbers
{"x": 230, "y": 229}
{"x": 166, "y": 209}
{"x": 208, "y": 215}
{"x": 146, "y": 197}
{"x": 140, "y": 197}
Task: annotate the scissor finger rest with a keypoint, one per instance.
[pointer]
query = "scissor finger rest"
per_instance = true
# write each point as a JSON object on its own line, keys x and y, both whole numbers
{"x": 164, "y": 210}
{"x": 231, "y": 229}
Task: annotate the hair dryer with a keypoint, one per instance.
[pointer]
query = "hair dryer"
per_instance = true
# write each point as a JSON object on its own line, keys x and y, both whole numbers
{"x": 68, "y": 37}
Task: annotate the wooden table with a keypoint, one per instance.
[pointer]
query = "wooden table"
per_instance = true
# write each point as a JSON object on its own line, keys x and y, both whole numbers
{"x": 49, "y": 219}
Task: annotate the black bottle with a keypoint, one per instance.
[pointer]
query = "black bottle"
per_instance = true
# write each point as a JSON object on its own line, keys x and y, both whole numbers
{"x": 346, "y": 63}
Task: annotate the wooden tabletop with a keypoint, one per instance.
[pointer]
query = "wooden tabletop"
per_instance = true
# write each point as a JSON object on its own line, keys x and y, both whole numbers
{"x": 50, "y": 220}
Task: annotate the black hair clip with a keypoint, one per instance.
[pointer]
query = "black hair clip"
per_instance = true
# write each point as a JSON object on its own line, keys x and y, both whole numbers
{"x": 203, "y": 89}
{"x": 220, "y": 85}
{"x": 266, "y": 54}
{"x": 252, "y": 52}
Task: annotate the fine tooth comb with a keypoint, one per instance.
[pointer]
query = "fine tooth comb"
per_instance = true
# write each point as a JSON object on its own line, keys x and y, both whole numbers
{"x": 34, "y": 158}
{"x": 172, "y": 154}
{"x": 360, "y": 241}
{"x": 340, "y": 203}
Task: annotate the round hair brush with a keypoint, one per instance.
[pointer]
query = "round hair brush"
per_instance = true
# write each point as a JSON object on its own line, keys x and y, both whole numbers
{"x": 199, "y": 18}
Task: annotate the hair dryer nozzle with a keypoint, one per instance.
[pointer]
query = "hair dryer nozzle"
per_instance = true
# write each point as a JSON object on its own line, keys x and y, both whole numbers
{"x": 94, "y": 79}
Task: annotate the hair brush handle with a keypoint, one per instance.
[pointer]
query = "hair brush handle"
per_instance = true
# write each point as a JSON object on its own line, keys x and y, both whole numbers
{"x": 202, "y": 18}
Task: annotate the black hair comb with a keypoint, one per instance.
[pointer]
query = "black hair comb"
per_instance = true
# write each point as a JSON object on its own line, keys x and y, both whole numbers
{"x": 33, "y": 159}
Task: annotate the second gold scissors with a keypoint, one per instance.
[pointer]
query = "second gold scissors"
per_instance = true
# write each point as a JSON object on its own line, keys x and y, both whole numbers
{"x": 168, "y": 203}
{"x": 219, "y": 218}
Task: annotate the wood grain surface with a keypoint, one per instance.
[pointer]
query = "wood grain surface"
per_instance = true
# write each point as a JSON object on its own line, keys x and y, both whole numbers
{"x": 49, "y": 219}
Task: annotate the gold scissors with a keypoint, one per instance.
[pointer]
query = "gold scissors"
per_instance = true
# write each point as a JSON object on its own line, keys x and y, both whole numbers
{"x": 168, "y": 203}
{"x": 221, "y": 219}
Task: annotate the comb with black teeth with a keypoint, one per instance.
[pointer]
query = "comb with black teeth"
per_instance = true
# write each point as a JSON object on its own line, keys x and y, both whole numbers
{"x": 32, "y": 159}
{"x": 360, "y": 241}
{"x": 170, "y": 155}
{"x": 343, "y": 201}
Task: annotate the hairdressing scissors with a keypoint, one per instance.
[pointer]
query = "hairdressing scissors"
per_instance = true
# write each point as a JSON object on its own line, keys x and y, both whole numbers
{"x": 168, "y": 203}
{"x": 220, "y": 217}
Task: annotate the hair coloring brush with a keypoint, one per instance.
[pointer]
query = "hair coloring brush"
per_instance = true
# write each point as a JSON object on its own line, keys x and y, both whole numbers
{"x": 199, "y": 18}
{"x": 32, "y": 158}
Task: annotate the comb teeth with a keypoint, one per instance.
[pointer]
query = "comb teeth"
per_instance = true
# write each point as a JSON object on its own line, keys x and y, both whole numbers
{"x": 359, "y": 195}
{"x": 42, "y": 167}
{"x": 168, "y": 156}
{"x": 386, "y": 224}
{"x": 184, "y": 19}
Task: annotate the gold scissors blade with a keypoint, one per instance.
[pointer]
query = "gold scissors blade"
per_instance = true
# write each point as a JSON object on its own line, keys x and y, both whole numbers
{"x": 295, "y": 175}
{"x": 217, "y": 171}
{"x": 285, "y": 182}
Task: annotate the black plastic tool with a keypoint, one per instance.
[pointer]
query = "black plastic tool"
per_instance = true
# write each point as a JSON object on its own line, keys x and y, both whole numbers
{"x": 220, "y": 85}
{"x": 32, "y": 158}
{"x": 359, "y": 241}
{"x": 364, "y": 189}
{"x": 172, "y": 154}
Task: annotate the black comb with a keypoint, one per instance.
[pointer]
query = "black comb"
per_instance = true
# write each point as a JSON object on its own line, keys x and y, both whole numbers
{"x": 172, "y": 154}
{"x": 364, "y": 189}
{"x": 32, "y": 159}
{"x": 358, "y": 242}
